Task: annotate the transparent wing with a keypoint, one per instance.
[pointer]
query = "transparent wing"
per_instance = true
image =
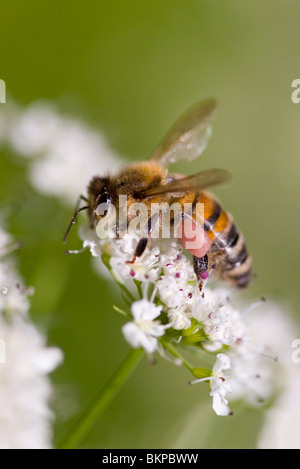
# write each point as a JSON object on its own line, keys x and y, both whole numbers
{"x": 196, "y": 182}
{"x": 188, "y": 138}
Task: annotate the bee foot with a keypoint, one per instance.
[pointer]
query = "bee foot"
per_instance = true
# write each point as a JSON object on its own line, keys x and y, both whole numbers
{"x": 131, "y": 262}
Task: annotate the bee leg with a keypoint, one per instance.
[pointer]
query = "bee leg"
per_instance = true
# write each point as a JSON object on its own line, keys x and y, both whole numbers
{"x": 201, "y": 268}
{"x": 142, "y": 244}
{"x": 139, "y": 250}
{"x": 78, "y": 209}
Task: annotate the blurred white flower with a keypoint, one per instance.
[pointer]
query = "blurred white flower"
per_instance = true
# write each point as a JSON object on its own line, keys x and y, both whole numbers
{"x": 25, "y": 389}
{"x": 144, "y": 330}
{"x": 64, "y": 153}
{"x": 5, "y": 240}
{"x": 13, "y": 295}
{"x": 281, "y": 428}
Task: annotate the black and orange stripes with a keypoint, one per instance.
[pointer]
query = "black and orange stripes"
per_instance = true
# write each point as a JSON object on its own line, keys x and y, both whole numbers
{"x": 228, "y": 253}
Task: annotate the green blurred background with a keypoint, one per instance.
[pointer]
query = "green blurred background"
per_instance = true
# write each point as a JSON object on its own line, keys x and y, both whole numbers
{"x": 130, "y": 68}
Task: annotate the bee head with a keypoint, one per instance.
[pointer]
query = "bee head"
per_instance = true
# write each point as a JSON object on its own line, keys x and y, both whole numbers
{"x": 100, "y": 198}
{"x": 103, "y": 204}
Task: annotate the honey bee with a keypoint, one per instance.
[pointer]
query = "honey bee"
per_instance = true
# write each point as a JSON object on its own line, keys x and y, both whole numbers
{"x": 223, "y": 250}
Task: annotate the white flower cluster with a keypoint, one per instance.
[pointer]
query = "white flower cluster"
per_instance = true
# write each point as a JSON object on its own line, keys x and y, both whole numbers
{"x": 25, "y": 362}
{"x": 63, "y": 153}
{"x": 164, "y": 296}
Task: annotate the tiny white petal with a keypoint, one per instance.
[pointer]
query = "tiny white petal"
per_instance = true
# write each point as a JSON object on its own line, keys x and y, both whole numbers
{"x": 144, "y": 309}
{"x": 223, "y": 362}
{"x": 220, "y": 404}
{"x": 143, "y": 332}
{"x": 136, "y": 338}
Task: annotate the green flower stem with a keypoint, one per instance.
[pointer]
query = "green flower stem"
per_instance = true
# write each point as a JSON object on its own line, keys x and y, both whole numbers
{"x": 102, "y": 400}
{"x": 176, "y": 354}
{"x": 206, "y": 357}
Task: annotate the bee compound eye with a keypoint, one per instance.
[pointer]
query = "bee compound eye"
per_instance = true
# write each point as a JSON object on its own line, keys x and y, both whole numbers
{"x": 104, "y": 203}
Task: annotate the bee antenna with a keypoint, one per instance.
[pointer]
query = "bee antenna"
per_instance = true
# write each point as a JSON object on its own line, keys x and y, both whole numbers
{"x": 78, "y": 209}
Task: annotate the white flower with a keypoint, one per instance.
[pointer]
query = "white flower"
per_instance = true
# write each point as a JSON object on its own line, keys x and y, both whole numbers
{"x": 223, "y": 324}
{"x": 5, "y": 240}
{"x": 216, "y": 311}
{"x": 56, "y": 143}
{"x": 219, "y": 385}
{"x": 64, "y": 152}
{"x": 145, "y": 268}
{"x": 25, "y": 391}
{"x": 175, "y": 287}
{"x": 25, "y": 362}
{"x": 144, "y": 330}
{"x": 250, "y": 376}
{"x": 13, "y": 295}
{"x": 176, "y": 264}
{"x": 90, "y": 240}
{"x": 179, "y": 319}
{"x": 252, "y": 370}
{"x": 271, "y": 325}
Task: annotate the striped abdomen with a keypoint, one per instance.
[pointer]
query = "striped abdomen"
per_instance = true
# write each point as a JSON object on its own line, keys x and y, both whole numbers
{"x": 228, "y": 249}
